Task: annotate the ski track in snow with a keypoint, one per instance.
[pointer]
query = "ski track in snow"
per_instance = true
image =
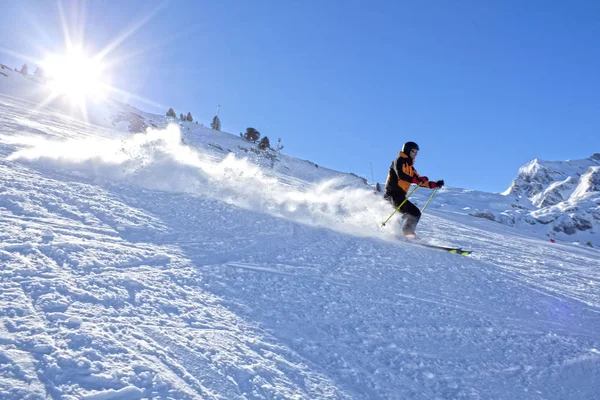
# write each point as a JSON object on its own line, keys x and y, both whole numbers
{"x": 113, "y": 290}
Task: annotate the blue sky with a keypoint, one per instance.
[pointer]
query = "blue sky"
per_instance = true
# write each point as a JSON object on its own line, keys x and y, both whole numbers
{"x": 483, "y": 87}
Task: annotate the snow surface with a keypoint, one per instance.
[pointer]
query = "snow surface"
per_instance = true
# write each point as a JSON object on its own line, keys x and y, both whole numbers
{"x": 184, "y": 264}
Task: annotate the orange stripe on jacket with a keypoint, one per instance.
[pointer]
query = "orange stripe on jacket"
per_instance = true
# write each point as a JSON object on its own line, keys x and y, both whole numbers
{"x": 409, "y": 170}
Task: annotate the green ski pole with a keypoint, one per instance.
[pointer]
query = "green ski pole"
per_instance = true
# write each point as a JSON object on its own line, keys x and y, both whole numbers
{"x": 430, "y": 197}
{"x": 401, "y": 204}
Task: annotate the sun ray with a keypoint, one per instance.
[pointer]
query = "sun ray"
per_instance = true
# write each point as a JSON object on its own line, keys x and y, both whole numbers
{"x": 84, "y": 111}
{"x": 64, "y": 25}
{"x": 116, "y": 61}
{"x": 18, "y": 55}
{"x": 41, "y": 40}
{"x": 82, "y": 20}
{"x": 124, "y": 35}
{"x": 134, "y": 96}
{"x": 78, "y": 9}
{"x": 44, "y": 103}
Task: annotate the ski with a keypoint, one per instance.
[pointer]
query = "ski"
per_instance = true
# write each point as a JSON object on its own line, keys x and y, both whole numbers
{"x": 453, "y": 250}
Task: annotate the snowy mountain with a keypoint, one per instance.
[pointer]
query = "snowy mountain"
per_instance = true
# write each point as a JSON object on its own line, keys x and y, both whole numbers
{"x": 559, "y": 199}
{"x": 183, "y": 263}
{"x": 566, "y": 193}
{"x": 549, "y": 183}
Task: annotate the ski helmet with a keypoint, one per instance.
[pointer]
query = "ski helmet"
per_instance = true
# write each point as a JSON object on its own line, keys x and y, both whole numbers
{"x": 408, "y": 146}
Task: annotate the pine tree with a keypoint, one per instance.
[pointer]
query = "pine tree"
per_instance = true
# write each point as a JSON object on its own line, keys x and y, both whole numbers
{"x": 216, "y": 123}
{"x": 181, "y": 117}
{"x": 171, "y": 113}
{"x": 39, "y": 72}
{"x": 189, "y": 117}
{"x": 251, "y": 135}
{"x": 264, "y": 143}
{"x": 378, "y": 187}
{"x": 24, "y": 69}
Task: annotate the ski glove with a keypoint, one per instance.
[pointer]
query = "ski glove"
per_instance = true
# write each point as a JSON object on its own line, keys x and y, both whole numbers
{"x": 415, "y": 180}
{"x": 437, "y": 184}
{"x": 423, "y": 179}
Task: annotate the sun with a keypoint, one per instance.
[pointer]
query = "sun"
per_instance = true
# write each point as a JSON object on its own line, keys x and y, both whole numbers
{"x": 77, "y": 76}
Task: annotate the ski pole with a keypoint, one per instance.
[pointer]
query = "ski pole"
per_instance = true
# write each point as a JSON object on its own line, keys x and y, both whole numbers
{"x": 401, "y": 204}
{"x": 430, "y": 197}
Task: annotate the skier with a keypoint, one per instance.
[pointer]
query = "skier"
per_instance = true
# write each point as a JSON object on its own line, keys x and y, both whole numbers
{"x": 399, "y": 179}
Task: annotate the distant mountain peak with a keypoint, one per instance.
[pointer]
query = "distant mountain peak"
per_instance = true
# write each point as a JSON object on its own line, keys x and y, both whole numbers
{"x": 537, "y": 175}
{"x": 565, "y": 193}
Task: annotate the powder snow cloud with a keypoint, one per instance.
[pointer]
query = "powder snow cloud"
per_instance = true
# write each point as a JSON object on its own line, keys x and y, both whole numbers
{"x": 159, "y": 160}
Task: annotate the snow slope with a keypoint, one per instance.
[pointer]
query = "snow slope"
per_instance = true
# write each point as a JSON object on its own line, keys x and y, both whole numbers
{"x": 183, "y": 265}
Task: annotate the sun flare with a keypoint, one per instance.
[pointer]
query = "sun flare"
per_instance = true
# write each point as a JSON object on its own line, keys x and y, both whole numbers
{"x": 80, "y": 78}
{"x": 77, "y": 76}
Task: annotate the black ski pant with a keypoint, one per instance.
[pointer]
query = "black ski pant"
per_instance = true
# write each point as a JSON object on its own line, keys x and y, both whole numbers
{"x": 412, "y": 214}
